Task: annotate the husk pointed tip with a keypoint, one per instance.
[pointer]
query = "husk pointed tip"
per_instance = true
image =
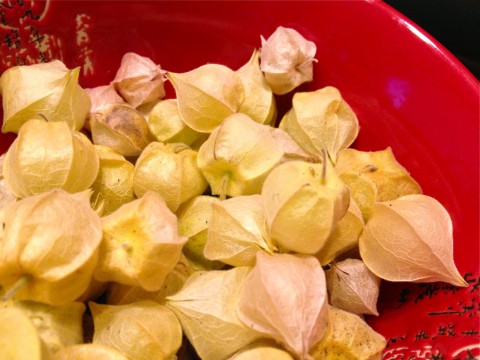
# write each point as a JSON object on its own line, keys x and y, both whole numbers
{"x": 75, "y": 73}
{"x": 459, "y": 281}
{"x": 255, "y": 56}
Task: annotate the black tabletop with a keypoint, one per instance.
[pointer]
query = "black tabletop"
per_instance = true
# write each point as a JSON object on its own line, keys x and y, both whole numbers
{"x": 454, "y": 23}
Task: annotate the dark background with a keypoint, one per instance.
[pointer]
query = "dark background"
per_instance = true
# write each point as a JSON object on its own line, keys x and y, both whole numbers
{"x": 454, "y": 23}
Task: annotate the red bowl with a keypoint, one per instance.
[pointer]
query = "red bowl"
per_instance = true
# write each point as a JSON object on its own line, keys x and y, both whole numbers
{"x": 407, "y": 90}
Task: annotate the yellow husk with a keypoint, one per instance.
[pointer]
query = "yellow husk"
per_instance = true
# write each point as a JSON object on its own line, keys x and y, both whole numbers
{"x": 143, "y": 330}
{"x": 140, "y": 243}
{"x": 207, "y": 95}
{"x": 171, "y": 171}
{"x": 48, "y": 91}
{"x": 35, "y": 164}
{"x": 348, "y": 338}
{"x": 238, "y": 156}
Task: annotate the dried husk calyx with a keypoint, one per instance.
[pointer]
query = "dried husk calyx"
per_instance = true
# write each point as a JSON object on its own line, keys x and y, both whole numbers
{"x": 287, "y": 60}
{"x": 423, "y": 228}
{"x": 275, "y": 286}
{"x": 140, "y": 243}
{"x": 238, "y": 156}
{"x": 121, "y": 128}
{"x": 303, "y": 203}
{"x": 207, "y": 95}
{"x": 49, "y": 247}
{"x": 46, "y": 90}
{"x": 35, "y": 164}
{"x": 171, "y": 171}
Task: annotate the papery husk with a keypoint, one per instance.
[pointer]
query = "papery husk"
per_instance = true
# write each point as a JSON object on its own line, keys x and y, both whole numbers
{"x": 238, "y": 156}
{"x": 194, "y": 251}
{"x": 19, "y": 338}
{"x": 303, "y": 203}
{"x": 102, "y": 96}
{"x": 84, "y": 166}
{"x": 6, "y": 196}
{"x": 271, "y": 295}
{"x": 51, "y": 242}
{"x": 348, "y": 338}
{"x": 140, "y": 243}
{"x": 237, "y": 230}
{"x": 114, "y": 182}
{"x": 352, "y": 287}
{"x": 2, "y": 233}
{"x": 171, "y": 171}
{"x": 344, "y": 236}
{"x": 206, "y": 308}
{"x": 121, "y": 128}
{"x": 167, "y": 126}
{"x": 57, "y": 326}
{"x": 48, "y": 90}
{"x": 119, "y": 294}
{"x": 291, "y": 149}
{"x": 139, "y": 80}
{"x": 57, "y": 292}
{"x": 363, "y": 190}
{"x": 2, "y": 159}
{"x": 194, "y": 216}
{"x": 261, "y": 344}
{"x": 422, "y": 227}
{"x": 143, "y": 330}
{"x": 262, "y": 353}
{"x": 146, "y": 109}
{"x": 259, "y": 103}
{"x": 321, "y": 119}
{"x": 390, "y": 177}
{"x": 88, "y": 351}
{"x": 207, "y": 95}
{"x": 35, "y": 164}
{"x": 287, "y": 60}
{"x": 193, "y": 222}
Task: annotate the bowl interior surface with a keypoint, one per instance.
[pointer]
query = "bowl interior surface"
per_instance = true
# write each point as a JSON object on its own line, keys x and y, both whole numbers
{"x": 409, "y": 93}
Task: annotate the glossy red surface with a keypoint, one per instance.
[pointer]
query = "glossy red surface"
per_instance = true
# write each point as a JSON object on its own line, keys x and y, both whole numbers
{"x": 407, "y": 90}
